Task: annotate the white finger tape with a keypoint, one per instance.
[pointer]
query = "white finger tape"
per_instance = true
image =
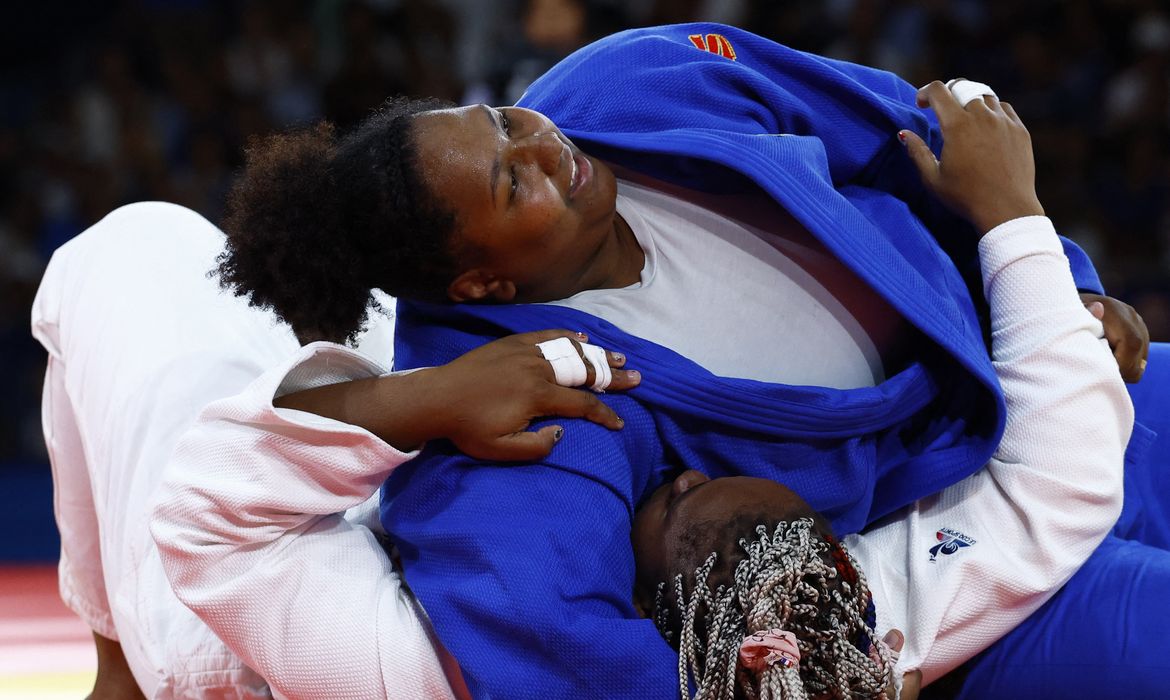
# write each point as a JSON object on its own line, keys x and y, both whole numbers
{"x": 602, "y": 375}
{"x": 967, "y": 90}
{"x": 568, "y": 367}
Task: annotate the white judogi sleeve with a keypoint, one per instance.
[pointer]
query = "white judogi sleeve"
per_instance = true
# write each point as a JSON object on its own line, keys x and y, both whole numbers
{"x": 960, "y": 569}
{"x": 247, "y": 523}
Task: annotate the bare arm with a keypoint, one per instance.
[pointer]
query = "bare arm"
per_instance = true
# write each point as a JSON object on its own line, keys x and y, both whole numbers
{"x": 483, "y": 401}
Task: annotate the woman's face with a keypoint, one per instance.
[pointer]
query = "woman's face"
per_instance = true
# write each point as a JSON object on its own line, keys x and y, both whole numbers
{"x": 535, "y": 215}
{"x": 683, "y": 521}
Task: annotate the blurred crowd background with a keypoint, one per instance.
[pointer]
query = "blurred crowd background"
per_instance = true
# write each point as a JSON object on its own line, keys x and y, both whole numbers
{"x": 108, "y": 103}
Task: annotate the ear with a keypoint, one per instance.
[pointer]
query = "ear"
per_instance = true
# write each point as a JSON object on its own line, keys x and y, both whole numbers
{"x": 478, "y": 284}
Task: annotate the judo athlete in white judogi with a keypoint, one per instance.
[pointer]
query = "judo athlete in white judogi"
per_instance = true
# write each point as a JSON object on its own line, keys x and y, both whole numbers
{"x": 140, "y": 339}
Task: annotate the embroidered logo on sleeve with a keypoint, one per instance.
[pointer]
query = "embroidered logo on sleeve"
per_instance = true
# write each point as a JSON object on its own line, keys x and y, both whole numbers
{"x": 713, "y": 43}
{"x": 949, "y": 542}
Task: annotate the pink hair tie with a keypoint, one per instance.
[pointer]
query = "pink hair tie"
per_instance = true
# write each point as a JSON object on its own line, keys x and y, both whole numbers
{"x": 762, "y": 649}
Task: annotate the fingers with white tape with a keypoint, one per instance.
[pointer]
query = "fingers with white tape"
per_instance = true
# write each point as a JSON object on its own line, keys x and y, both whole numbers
{"x": 602, "y": 375}
{"x": 569, "y": 368}
{"x": 966, "y": 90}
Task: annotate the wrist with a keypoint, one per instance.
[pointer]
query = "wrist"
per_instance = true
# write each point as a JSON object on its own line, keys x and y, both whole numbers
{"x": 414, "y": 409}
{"x": 402, "y": 410}
{"x": 989, "y": 219}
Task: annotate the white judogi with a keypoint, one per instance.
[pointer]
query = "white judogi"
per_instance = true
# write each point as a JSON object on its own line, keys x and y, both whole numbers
{"x": 139, "y": 341}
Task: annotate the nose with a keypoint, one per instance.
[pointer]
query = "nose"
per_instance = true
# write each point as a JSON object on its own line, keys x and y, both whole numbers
{"x": 542, "y": 148}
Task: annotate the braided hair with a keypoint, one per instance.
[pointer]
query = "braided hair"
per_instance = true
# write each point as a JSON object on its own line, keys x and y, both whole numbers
{"x": 793, "y": 578}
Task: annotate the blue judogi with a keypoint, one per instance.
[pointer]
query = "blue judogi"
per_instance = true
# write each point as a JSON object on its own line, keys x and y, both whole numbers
{"x": 526, "y": 570}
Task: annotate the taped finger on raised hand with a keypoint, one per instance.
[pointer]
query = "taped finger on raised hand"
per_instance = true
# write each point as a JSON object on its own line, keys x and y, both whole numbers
{"x": 568, "y": 367}
{"x": 599, "y": 359}
{"x": 967, "y": 90}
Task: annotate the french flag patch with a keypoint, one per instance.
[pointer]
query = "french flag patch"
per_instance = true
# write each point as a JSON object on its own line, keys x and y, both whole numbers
{"x": 949, "y": 542}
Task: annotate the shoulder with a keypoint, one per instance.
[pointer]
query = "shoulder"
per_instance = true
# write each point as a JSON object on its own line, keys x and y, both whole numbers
{"x": 635, "y": 54}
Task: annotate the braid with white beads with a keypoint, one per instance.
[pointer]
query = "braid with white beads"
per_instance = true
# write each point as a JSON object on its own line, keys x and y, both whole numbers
{"x": 792, "y": 579}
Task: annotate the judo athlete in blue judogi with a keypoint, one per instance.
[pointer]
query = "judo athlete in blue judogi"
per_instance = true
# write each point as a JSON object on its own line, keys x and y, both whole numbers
{"x": 862, "y": 382}
{"x": 525, "y": 572}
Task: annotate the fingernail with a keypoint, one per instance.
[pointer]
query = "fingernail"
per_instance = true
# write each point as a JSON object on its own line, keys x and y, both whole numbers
{"x": 619, "y": 358}
{"x": 1142, "y": 366}
{"x": 634, "y": 375}
{"x": 902, "y": 137}
{"x": 892, "y": 638}
{"x": 620, "y": 422}
{"x": 582, "y": 337}
{"x": 560, "y": 433}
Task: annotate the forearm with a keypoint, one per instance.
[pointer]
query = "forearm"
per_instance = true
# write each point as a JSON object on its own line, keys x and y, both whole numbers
{"x": 1069, "y": 415}
{"x": 1058, "y": 376}
{"x": 396, "y": 407}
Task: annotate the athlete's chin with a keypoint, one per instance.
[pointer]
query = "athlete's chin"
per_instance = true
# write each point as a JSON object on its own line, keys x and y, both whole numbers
{"x": 604, "y": 190}
{"x": 599, "y": 206}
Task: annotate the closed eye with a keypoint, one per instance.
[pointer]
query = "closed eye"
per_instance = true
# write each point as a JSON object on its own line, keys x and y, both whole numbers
{"x": 506, "y": 127}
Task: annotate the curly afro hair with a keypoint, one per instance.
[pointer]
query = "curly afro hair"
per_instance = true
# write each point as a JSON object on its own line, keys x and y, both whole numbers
{"x": 315, "y": 222}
